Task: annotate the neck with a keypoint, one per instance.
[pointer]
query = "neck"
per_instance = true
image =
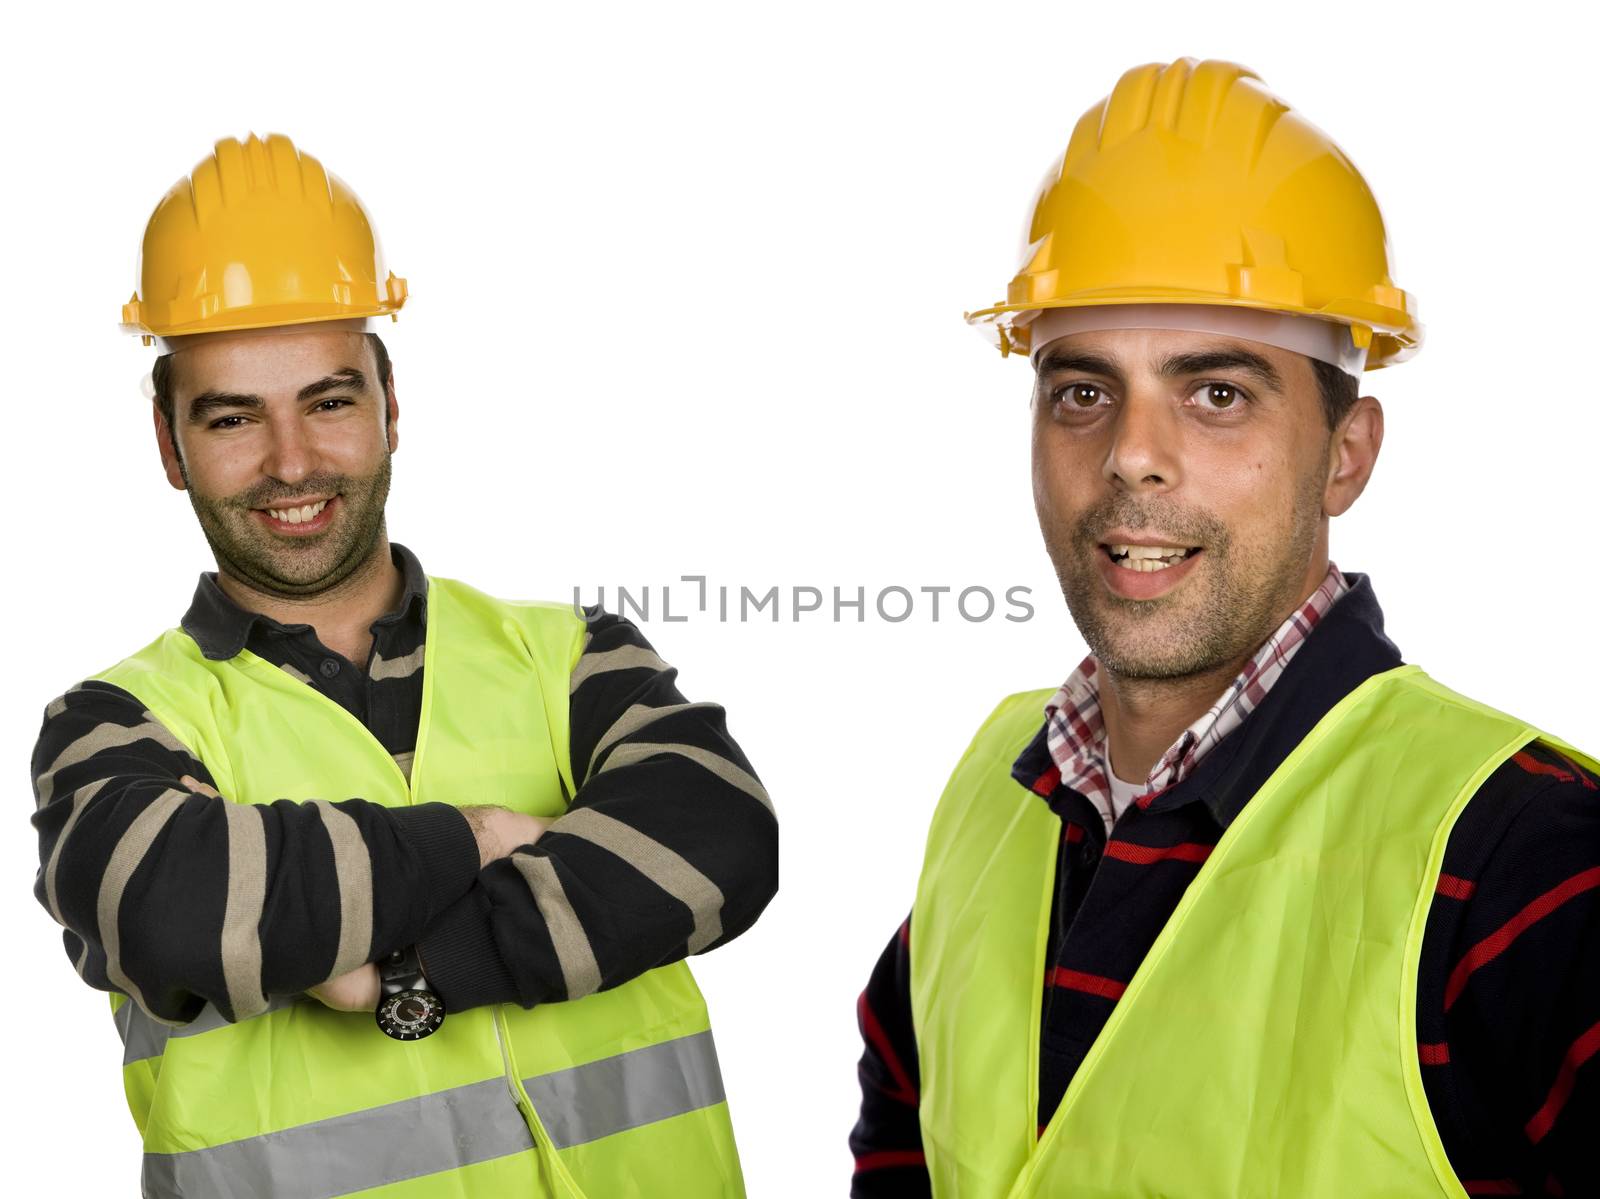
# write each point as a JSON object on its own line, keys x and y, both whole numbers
{"x": 342, "y": 615}
{"x": 1143, "y": 717}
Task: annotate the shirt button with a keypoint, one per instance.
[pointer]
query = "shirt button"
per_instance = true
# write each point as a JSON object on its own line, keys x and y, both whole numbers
{"x": 329, "y": 667}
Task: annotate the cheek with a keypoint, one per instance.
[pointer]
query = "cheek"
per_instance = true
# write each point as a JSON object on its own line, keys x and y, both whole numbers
{"x": 1254, "y": 494}
{"x": 220, "y": 468}
{"x": 346, "y": 447}
{"x": 1058, "y": 479}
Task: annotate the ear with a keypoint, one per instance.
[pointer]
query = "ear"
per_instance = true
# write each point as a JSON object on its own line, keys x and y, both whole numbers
{"x": 394, "y": 415}
{"x": 169, "y": 451}
{"x": 1352, "y": 453}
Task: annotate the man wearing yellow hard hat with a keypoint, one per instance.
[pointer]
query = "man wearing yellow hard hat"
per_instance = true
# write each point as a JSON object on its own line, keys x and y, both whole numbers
{"x": 1246, "y": 906}
{"x": 391, "y": 881}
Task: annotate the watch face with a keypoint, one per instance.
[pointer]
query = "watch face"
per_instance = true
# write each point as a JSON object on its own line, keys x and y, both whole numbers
{"x": 410, "y": 1015}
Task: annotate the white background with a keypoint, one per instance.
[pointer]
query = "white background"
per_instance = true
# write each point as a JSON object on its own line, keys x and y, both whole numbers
{"x": 687, "y": 291}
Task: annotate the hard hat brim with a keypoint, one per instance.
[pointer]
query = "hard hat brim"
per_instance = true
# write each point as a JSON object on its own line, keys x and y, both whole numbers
{"x": 1394, "y": 334}
{"x": 262, "y": 319}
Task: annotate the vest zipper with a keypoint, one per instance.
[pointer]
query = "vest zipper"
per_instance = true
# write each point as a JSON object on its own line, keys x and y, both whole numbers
{"x": 552, "y": 1172}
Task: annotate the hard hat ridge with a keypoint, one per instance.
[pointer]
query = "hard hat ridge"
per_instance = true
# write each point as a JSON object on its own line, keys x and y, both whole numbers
{"x": 1183, "y": 98}
{"x": 237, "y": 169}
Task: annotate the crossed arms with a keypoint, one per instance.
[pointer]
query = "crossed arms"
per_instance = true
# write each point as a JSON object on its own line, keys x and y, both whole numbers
{"x": 669, "y": 848}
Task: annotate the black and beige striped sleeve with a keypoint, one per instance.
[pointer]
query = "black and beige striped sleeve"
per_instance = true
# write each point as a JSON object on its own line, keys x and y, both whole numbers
{"x": 176, "y": 896}
{"x": 670, "y": 846}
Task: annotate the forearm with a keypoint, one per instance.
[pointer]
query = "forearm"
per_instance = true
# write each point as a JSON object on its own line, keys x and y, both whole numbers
{"x": 177, "y": 896}
{"x": 669, "y": 848}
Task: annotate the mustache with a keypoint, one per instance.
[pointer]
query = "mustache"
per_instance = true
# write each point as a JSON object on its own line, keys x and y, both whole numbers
{"x": 268, "y": 494}
{"x": 1191, "y": 526}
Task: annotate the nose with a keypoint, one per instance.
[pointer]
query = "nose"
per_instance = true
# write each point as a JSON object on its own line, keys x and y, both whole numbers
{"x": 1144, "y": 443}
{"x": 291, "y": 455}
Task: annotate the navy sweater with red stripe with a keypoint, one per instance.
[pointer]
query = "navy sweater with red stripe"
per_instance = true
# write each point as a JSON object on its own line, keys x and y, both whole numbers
{"x": 1508, "y": 993}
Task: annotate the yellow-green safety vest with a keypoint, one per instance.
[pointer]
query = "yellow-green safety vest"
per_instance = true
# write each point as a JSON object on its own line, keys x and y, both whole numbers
{"x": 1267, "y": 1044}
{"x": 611, "y": 1096}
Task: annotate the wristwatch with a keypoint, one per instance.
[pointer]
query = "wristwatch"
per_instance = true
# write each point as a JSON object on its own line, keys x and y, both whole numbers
{"x": 408, "y": 1010}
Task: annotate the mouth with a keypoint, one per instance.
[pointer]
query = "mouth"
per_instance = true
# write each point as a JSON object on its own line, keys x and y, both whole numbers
{"x": 1147, "y": 559}
{"x": 299, "y": 520}
{"x": 1145, "y": 572}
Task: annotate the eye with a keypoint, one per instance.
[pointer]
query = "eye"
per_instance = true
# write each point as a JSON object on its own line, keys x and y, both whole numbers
{"x": 1078, "y": 395}
{"x": 1219, "y": 397}
{"x": 336, "y": 400}
{"x": 222, "y": 422}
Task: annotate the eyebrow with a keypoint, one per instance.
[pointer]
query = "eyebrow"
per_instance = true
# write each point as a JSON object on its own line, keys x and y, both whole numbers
{"x": 207, "y": 402}
{"x": 1193, "y": 362}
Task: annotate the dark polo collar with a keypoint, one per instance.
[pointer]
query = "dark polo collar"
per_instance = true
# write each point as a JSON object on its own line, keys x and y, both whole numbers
{"x": 221, "y": 628}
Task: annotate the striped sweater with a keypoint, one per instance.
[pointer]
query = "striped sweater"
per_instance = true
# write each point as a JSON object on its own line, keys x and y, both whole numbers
{"x": 668, "y": 852}
{"x": 1508, "y": 988}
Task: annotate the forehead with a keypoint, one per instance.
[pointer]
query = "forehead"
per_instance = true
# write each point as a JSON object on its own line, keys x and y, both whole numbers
{"x": 265, "y": 365}
{"x": 1144, "y": 352}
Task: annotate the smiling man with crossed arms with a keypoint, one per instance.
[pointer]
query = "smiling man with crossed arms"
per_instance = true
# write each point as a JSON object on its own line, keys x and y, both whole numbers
{"x": 348, "y": 798}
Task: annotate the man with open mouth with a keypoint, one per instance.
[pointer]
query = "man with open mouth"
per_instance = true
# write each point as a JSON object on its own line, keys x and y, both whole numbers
{"x": 391, "y": 880}
{"x": 1247, "y": 905}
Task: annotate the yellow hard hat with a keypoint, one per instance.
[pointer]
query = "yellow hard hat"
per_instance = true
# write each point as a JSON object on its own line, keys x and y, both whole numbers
{"x": 1193, "y": 184}
{"x": 258, "y": 234}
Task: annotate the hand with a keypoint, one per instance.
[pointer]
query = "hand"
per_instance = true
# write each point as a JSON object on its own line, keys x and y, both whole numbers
{"x": 356, "y": 991}
{"x": 499, "y": 831}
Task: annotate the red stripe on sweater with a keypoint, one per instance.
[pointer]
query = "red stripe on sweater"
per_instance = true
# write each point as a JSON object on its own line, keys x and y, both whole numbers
{"x": 1093, "y": 984}
{"x": 904, "y": 1092}
{"x": 885, "y": 1158}
{"x": 1492, "y": 1186}
{"x": 1582, "y": 775}
{"x": 1492, "y": 946}
{"x": 1434, "y": 1053}
{"x": 1143, "y": 855}
{"x": 1144, "y": 801}
{"x": 1533, "y": 766}
{"x": 1072, "y": 833}
{"x": 1455, "y": 888}
{"x": 1581, "y": 1050}
{"x": 1046, "y": 782}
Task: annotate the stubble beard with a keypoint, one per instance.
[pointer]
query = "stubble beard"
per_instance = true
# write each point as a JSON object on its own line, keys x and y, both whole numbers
{"x": 248, "y": 552}
{"x": 1240, "y": 592}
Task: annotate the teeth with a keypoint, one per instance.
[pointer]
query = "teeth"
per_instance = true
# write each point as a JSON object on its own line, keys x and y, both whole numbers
{"x": 1147, "y": 558}
{"x": 1148, "y": 551}
{"x": 295, "y": 516}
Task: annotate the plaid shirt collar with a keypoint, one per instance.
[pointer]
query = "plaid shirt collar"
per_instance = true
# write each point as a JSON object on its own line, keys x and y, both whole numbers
{"x": 221, "y": 628}
{"x": 1075, "y": 732}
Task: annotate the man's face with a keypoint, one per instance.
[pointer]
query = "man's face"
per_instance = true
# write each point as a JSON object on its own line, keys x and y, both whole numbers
{"x": 1211, "y": 445}
{"x": 284, "y": 422}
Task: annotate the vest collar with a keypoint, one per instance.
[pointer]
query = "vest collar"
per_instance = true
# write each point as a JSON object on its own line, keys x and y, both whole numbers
{"x": 1347, "y": 647}
{"x": 221, "y": 628}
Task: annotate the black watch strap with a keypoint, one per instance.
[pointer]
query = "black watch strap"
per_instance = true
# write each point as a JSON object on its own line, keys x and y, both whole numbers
{"x": 408, "y": 1009}
{"x": 402, "y": 971}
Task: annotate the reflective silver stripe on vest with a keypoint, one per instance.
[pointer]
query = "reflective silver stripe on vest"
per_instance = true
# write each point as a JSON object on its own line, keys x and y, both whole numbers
{"x": 447, "y": 1130}
{"x": 615, "y": 1094}
{"x": 409, "y": 1139}
{"x": 143, "y": 1036}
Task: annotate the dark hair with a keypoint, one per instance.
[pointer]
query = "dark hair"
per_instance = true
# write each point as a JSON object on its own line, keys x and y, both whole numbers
{"x": 161, "y": 380}
{"x": 1339, "y": 391}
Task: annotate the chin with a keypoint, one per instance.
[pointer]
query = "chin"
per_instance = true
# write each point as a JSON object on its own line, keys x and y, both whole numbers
{"x": 1151, "y": 639}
